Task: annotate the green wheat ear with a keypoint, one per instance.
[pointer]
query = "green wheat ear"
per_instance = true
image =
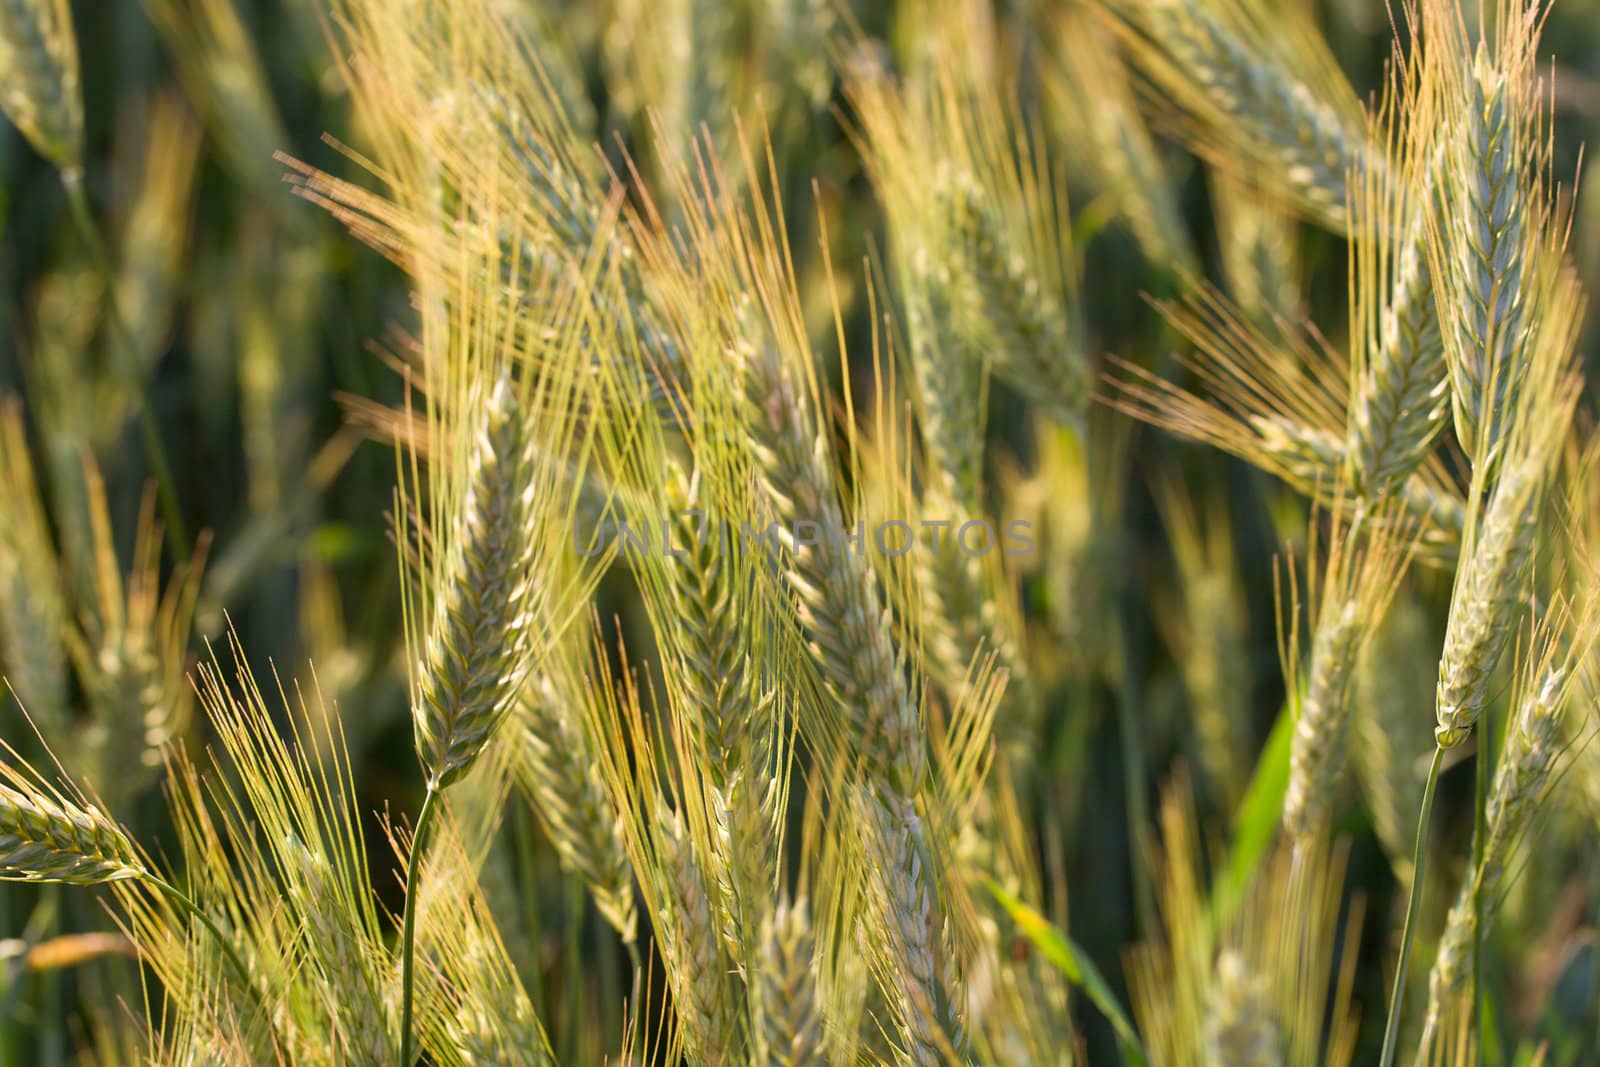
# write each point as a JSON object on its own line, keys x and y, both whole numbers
{"x": 51, "y": 840}
{"x": 476, "y": 659}
{"x": 1272, "y": 106}
{"x": 40, "y": 92}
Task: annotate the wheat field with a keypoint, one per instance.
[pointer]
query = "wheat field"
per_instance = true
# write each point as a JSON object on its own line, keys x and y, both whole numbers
{"x": 799, "y": 532}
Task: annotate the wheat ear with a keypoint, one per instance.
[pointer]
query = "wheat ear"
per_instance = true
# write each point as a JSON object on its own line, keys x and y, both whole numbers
{"x": 1239, "y": 1030}
{"x": 1258, "y": 243}
{"x": 849, "y": 634}
{"x": 558, "y": 773}
{"x": 40, "y": 92}
{"x": 840, "y": 605}
{"x": 1488, "y": 597}
{"x": 1317, "y": 755}
{"x": 1034, "y": 348}
{"x": 1530, "y": 756}
{"x": 1403, "y": 392}
{"x": 33, "y": 611}
{"x": 791, "y": 1018}
{"x": 53, "y": 840}
{"x": 344, "y": 960}
{"x": 476, "y": 657}
{"x": 696, "y": 960}
{"x": 1487, "y": 238}
{"x": 1250, "y": 105}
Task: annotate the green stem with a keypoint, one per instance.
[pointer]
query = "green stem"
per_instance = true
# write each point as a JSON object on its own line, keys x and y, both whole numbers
{"x": 1391, "y": 1033}
{"x": 132, "y": 372}
{"x": 408, "y": 929}
{"x": 572, "y": 961}
{"x": 1479, "y": 838}
{"x": 635, "y": 1009}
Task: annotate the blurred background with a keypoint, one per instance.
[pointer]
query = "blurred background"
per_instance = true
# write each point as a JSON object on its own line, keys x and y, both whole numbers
{"x": 261, "y": 330}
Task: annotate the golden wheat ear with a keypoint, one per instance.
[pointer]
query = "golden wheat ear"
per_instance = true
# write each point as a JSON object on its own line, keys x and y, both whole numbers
{"x": 1496, "y": 229}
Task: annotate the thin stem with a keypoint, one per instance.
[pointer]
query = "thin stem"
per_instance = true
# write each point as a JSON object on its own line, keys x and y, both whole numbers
{"x": 408, "y": 929}
{"x": 635, "y": 1006}
{"x": 1480, "y": 832}
{"x": 1391, "y": 1033}
{"x": 131, "y": 370}
{"x": 573, "y": 956}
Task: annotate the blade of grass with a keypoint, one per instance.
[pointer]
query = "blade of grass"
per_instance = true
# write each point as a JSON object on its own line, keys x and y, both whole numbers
{"x": 1073, "y": 962}
{"x": 1257, "y": 819}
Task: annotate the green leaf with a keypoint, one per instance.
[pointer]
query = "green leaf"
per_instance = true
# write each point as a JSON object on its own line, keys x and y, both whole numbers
{"x": 1073, "y": 962}
{"x": 1257, "y": 821}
